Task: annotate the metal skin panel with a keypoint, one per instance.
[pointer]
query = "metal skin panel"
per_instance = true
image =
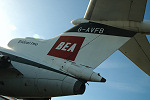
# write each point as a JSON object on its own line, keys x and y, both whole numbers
{"x": 99, "y": 38}
{"x": 37, "y": 83}
{"x": 108, "y": 39}
{"x": 43, "y": 73}
{"x": 99, "y": 50}
{"x": 101, "y": 47}
{"x": 68, "y": 83}
{"x": 138, "y": 51}
{"x": 99, "y": 43}
{"x": 116, "y": 10}
{"x": 50, "y": 88}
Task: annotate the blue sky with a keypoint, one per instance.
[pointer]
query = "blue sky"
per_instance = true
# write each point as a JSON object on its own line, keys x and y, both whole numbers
{"x": 48, "y": 18}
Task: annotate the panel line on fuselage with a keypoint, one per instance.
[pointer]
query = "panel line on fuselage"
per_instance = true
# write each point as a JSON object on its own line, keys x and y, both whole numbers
{"x": 32, "y": 63}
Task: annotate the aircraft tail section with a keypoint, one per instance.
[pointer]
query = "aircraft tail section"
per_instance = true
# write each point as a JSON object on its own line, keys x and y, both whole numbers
{"x": 89, "y": 44}
{"x": 138, "y": 51}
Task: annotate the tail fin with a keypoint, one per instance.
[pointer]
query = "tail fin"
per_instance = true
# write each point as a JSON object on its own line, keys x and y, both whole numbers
{"x": 90, "y": 43}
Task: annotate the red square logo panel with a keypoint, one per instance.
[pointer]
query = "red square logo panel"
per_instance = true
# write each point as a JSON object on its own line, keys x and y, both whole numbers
{"x": 67, "y": 47}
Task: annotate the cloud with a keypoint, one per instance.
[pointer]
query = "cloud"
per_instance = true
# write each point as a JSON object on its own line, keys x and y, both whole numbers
{"x": 36, "y": 36}
{"x": 6, "y": 29}
{"x": 12, "y": 27}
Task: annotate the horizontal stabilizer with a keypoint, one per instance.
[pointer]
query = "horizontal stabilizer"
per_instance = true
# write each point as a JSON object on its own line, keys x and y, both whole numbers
{"x": 138, "y": 51}
{"x": 116, "y": 10}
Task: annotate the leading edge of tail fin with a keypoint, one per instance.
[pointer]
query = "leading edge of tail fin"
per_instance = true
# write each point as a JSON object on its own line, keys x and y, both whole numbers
{"x": 89, "y": 43}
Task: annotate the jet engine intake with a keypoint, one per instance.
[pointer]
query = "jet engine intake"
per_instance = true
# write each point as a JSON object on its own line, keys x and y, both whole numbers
{"x": 72, "y": 86}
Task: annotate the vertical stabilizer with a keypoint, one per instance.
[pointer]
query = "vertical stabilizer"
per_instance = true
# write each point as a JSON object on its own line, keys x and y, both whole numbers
{"x": 90, "y": 43}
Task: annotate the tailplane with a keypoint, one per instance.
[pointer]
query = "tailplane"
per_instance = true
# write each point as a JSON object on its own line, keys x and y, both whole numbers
{"x": 138, "y": 51}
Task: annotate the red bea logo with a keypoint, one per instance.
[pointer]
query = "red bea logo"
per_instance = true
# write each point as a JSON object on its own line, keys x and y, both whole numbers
{"x": 67, "y": 47}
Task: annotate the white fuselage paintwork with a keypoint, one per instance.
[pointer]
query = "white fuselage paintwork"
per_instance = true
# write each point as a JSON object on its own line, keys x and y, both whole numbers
{"x": 94, "y": 41}
{"x": 33, "y": 82}
{"x": 39, "y": 53}
{"x": 59, "y": 66}
{"x": 29, "y": 56}
{"x": 37, "y": 68}
{"x": 139, "y": 27}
